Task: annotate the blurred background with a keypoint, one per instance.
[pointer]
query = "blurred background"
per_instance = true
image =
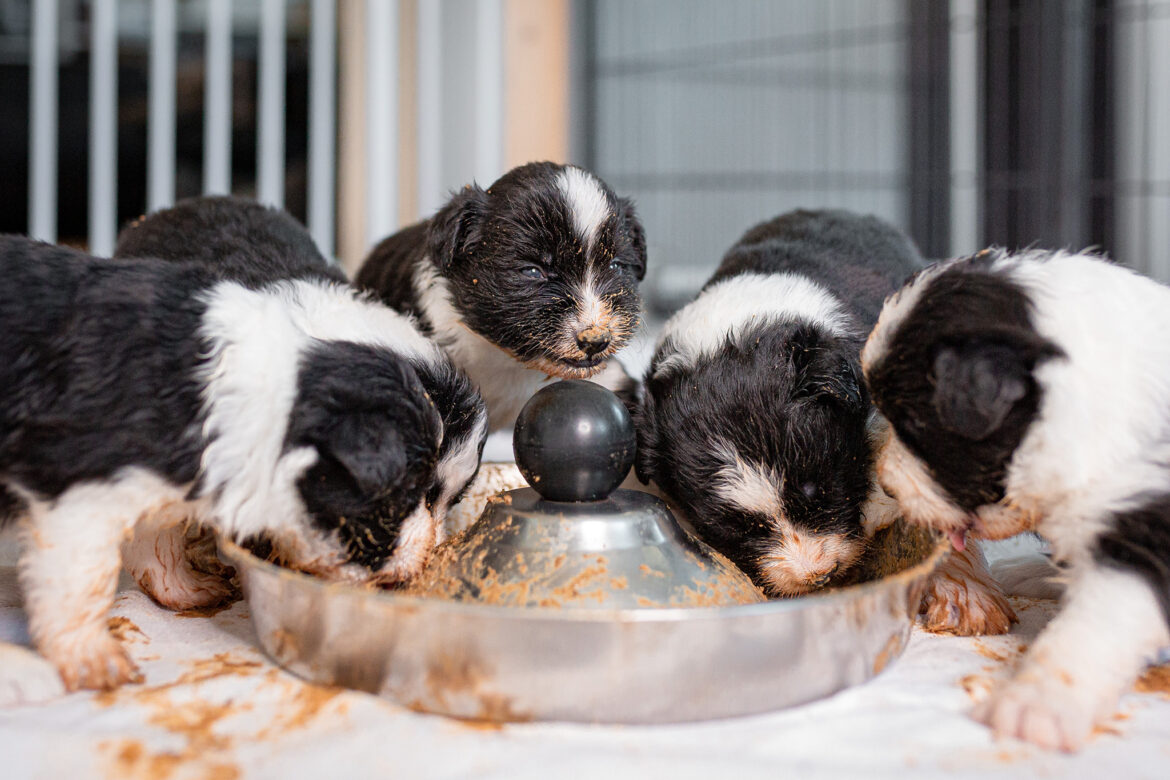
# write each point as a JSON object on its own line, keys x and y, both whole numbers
{"x": 965, "y": 122}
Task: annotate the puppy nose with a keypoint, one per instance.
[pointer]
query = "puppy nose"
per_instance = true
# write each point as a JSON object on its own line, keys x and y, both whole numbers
{"x": 821, "y": 580}
{"x": 594, "y": 340}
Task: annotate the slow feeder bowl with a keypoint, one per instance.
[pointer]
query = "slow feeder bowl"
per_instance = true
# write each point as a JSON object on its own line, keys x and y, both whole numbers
{"x": 489, "y": 650}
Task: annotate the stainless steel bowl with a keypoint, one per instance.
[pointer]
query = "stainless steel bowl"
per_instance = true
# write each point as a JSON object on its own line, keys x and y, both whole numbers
{"x": 598, "y": 666}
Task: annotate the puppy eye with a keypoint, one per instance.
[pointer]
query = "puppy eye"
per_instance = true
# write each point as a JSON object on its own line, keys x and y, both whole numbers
{"x": 533, "y": 272}
{"x": 618, "y": 265}
{"x": 809, "y": 489}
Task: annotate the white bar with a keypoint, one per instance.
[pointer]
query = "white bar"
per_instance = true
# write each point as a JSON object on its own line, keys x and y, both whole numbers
{"x": 489, "y": 91}
{"x": 103, "y": 128}
{"x": 160, "y": 122}
{"x": 965, "y": 109}
{"x": 217, "y": 100}
{"x": 382, "y": 117}
{"x": 430, "y": 107}
{"x": 42, "y": 180}
{"x": 270, "y": 126}
{"x": 322, "y": 123}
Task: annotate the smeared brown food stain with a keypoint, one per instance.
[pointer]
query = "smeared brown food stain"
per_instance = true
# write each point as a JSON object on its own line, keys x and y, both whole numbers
{"x": 307, "y": 703}
{"x": 892, "y": 647}
{"x": 989, "y": 653}
{"x": 219, "y": 665}
{"x": 1101, "y": 730}
{"x": 450, "y": 678}
{"x": 976, "y": 685}
{"x": 196, "y": 720}
{"x": 648, "y": 572}
{"x": 124, "y": 630}
{"x": 1156, "y": 679}
{"x": 477, "y": 725}
{"x": 204, "y": 612}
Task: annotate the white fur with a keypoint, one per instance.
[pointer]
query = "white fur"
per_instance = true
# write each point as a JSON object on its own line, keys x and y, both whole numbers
{"x": 751, "y": 487}
{"x": 26, "y": 678}
{"x": 455, "y": 471}
{"x": 1075, "y": 671}
{"x": 505, "y": 383}
{"x": 69, "y": 570}
{"x": 257, "y": 339}
{"x": 587, "y": 202}
{"x": 895, "y": 310}
{"x": 1098, "y": 443}
{"x": 732, "y": 306}
{"x": 1098, "y": 439}
{"x": 591, "y": 310}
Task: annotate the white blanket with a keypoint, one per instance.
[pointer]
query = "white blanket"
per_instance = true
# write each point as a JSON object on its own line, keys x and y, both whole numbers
{"x": 213, "y": 707}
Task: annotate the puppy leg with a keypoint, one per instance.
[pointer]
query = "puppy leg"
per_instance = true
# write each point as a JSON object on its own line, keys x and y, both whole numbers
{"x": 69, "y": 572}
{"x": 158, "y": 557}
{"x": 26, "y": 678}
{"x": 962, "y": 597}
{"x": 1080, "y": 665}
{"x": 1033, "y": 576}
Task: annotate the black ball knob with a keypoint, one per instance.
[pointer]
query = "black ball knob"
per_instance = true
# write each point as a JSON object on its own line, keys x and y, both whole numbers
{"x": 574, "y": 441}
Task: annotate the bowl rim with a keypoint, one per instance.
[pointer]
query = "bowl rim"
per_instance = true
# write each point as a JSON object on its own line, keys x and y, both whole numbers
{"x": 239, "y": 557}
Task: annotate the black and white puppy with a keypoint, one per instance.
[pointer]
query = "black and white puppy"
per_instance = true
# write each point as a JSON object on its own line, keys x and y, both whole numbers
{"x": 535, "y": 277}
{"x": 1031, "y": 392}
{"x": 753, "y": 416}
{"x": 255, "y": 245}
{"x": 141, "y": 394}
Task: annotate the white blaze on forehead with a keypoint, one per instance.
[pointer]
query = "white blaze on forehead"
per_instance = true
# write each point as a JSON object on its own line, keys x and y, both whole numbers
{"x": 590, "y": 309}
{"x": 587, "y": 202}
{"x": 750, "y": 486}
{"x": 732, "y": 306}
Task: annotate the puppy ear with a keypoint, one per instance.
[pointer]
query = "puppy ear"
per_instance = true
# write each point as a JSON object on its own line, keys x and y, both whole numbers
{"x": 370, "y": 448}
{"x": 647, "y": 432}
{"x": 836, "y": 380}
{"x": 456, "y": 227}
{"x": 977, "y": 385}
{"x": 633, "y": 228}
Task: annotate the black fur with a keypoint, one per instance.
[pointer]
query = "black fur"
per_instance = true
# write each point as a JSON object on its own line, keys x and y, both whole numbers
{"x": 786, "y": 394}
{"x": 1138, "y": 540}
{"x": 957, "y": 383}
{"x": 482, "y": 242}
{"x": 243, "y": 241}
{"x": 859, "y": 259}
{"x": 101, "y": 364}
{"x": 238, "y": 239}
{"x": 97, "y": 367}
{"x": 376, "y": 433}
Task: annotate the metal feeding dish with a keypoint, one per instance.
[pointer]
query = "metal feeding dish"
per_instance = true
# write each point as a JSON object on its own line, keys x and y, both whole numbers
{"x": 575, "y": 601}
{"x": 570, "y": 540}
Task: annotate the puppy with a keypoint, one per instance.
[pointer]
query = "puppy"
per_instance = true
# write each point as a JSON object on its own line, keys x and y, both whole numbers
{"x": 753, "y": 417}
{"x": 141, "y": 394}
{"x": 1030, "y": 392}
{"x": 535, "y": 277}
{"x": 254, "y": 245}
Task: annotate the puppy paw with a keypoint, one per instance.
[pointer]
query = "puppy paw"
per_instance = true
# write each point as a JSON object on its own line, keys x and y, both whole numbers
{"x": 27, "y": 678}
{"x": 1045, "y": 711}
{"x": 965, "y": 607}
{"x": 962, "y": 598}
{"x": 98, "y": 664}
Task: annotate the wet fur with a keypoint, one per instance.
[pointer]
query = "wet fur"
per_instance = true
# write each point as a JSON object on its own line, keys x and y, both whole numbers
{"x": 1029, "y": 392}
{"x": 516, "y": 281}
{"x": 143, "y": 394}
{"x": 758, "y": 382}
